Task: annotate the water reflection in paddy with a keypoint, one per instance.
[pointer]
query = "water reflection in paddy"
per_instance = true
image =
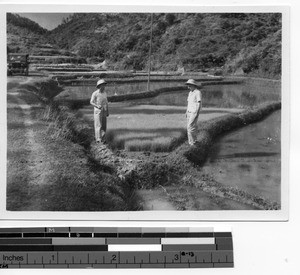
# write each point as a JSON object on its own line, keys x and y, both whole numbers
{"x": 223, "y": 96}
{"x": 250, "y": 158}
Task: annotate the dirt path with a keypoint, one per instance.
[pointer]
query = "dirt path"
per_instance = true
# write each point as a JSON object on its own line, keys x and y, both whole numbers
{"x": 34, "y": 163}
{"x": 37, "y": 150}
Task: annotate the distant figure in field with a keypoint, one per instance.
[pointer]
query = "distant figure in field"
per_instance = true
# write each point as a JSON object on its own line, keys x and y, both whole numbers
{"x": 193, "y": 109}
{"x": 100, "y": 103}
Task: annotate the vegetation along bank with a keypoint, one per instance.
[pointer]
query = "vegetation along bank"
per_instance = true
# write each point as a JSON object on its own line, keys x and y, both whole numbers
{"x": 50, "y": 166}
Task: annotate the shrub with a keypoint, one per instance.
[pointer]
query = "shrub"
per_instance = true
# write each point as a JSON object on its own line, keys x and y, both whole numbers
{"x": 152, "y": 175}
{"x": 135, "y": 61}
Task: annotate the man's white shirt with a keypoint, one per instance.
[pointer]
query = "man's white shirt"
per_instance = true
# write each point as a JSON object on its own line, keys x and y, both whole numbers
{"x": 194, "y": 98}
{"x": 100, "y": 99}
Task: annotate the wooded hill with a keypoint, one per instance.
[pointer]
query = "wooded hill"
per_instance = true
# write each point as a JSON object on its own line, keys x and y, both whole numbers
{"x": 235, "y": 42}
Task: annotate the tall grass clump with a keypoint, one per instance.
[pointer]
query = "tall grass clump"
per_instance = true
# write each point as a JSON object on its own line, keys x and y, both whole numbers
{"x": 45, "y": 89}
{"x": 66, "y": 125}
{"x": 152, "y": 175}
{"x": 86, "y": 192}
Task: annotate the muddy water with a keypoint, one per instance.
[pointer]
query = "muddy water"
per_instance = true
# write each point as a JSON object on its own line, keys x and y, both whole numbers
{"x": 249, "y": 158}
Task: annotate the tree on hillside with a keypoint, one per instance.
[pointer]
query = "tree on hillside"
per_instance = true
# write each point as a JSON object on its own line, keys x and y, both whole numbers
{"x": 197, "y": 41}
{"x": 25, "y": 23}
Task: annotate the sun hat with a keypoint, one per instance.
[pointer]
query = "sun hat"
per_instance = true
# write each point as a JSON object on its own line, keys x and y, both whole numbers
{"x": 100, "y": 82}
{"x": 193, "y": 82}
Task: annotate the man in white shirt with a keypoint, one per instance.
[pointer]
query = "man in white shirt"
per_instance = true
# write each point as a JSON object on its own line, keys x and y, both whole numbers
{"x": 100, "y": 103}
{"x": 193, "y": 109}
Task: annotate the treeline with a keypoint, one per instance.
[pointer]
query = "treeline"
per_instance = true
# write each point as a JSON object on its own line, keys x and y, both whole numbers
{"x": 23, "y": 22}
{"x": 234, "y": 41}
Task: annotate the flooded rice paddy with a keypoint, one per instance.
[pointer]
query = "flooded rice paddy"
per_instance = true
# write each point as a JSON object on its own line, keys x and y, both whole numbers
{"x": 220, "y": 96}
{"x": 248, "y": 159}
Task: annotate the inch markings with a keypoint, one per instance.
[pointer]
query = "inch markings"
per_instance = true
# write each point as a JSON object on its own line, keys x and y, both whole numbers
{"x": 80, "y": 247}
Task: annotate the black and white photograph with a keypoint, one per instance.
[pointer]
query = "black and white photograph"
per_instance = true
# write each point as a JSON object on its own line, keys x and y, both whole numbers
{"x": 129, "y": 118}
{"x": 138, "y": 111}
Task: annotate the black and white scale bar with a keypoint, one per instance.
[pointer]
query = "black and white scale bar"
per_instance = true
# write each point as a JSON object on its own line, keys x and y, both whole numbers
{"x": 102, "y": 241}
{"x": 53, "y": 248}
{"x": 110, "y": 232}
{"x": 111, "y": 247}
{"x": 129, "y": 247}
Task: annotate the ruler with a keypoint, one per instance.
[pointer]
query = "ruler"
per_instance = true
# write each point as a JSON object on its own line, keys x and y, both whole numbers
{"x": 112, "y": 247}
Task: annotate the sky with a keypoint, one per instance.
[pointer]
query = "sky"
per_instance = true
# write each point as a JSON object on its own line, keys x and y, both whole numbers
{"x": 48, "y": 21}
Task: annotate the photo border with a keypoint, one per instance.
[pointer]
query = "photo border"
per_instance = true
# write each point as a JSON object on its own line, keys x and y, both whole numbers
{"x": 211, "y": 215}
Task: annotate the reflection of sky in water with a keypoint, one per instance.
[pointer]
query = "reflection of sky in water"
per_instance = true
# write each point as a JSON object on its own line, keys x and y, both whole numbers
{"x": 249, "y": 158}
{"x": 227, "y": 96}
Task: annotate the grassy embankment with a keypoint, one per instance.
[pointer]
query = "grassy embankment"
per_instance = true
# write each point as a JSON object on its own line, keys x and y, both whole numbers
{"x": 48, "y": 166}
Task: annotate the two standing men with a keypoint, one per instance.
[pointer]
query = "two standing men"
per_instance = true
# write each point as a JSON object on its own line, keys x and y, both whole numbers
{"x": 100, "y": 103}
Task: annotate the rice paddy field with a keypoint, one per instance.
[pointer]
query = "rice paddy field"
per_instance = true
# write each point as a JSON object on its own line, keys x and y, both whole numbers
{"x": 158, "y": 124}
{"x": 141, "y": 127}
{"x": 254, "y": 153}
{"x": 248, "y": 159}
{"x": 241, "y": 165}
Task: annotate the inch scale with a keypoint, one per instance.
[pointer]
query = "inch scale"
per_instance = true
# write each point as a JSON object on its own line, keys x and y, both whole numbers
{"x": 103, "y": 247}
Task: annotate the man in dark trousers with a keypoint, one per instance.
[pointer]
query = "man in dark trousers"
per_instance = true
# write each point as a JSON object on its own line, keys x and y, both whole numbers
{"x": 193, "y": 109}
{"x": 100, "y": 103}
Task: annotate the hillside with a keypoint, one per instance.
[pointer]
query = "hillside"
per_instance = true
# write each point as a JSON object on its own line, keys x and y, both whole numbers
{"x": 249, "y": 43}
{"x": 23, "y": 34}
